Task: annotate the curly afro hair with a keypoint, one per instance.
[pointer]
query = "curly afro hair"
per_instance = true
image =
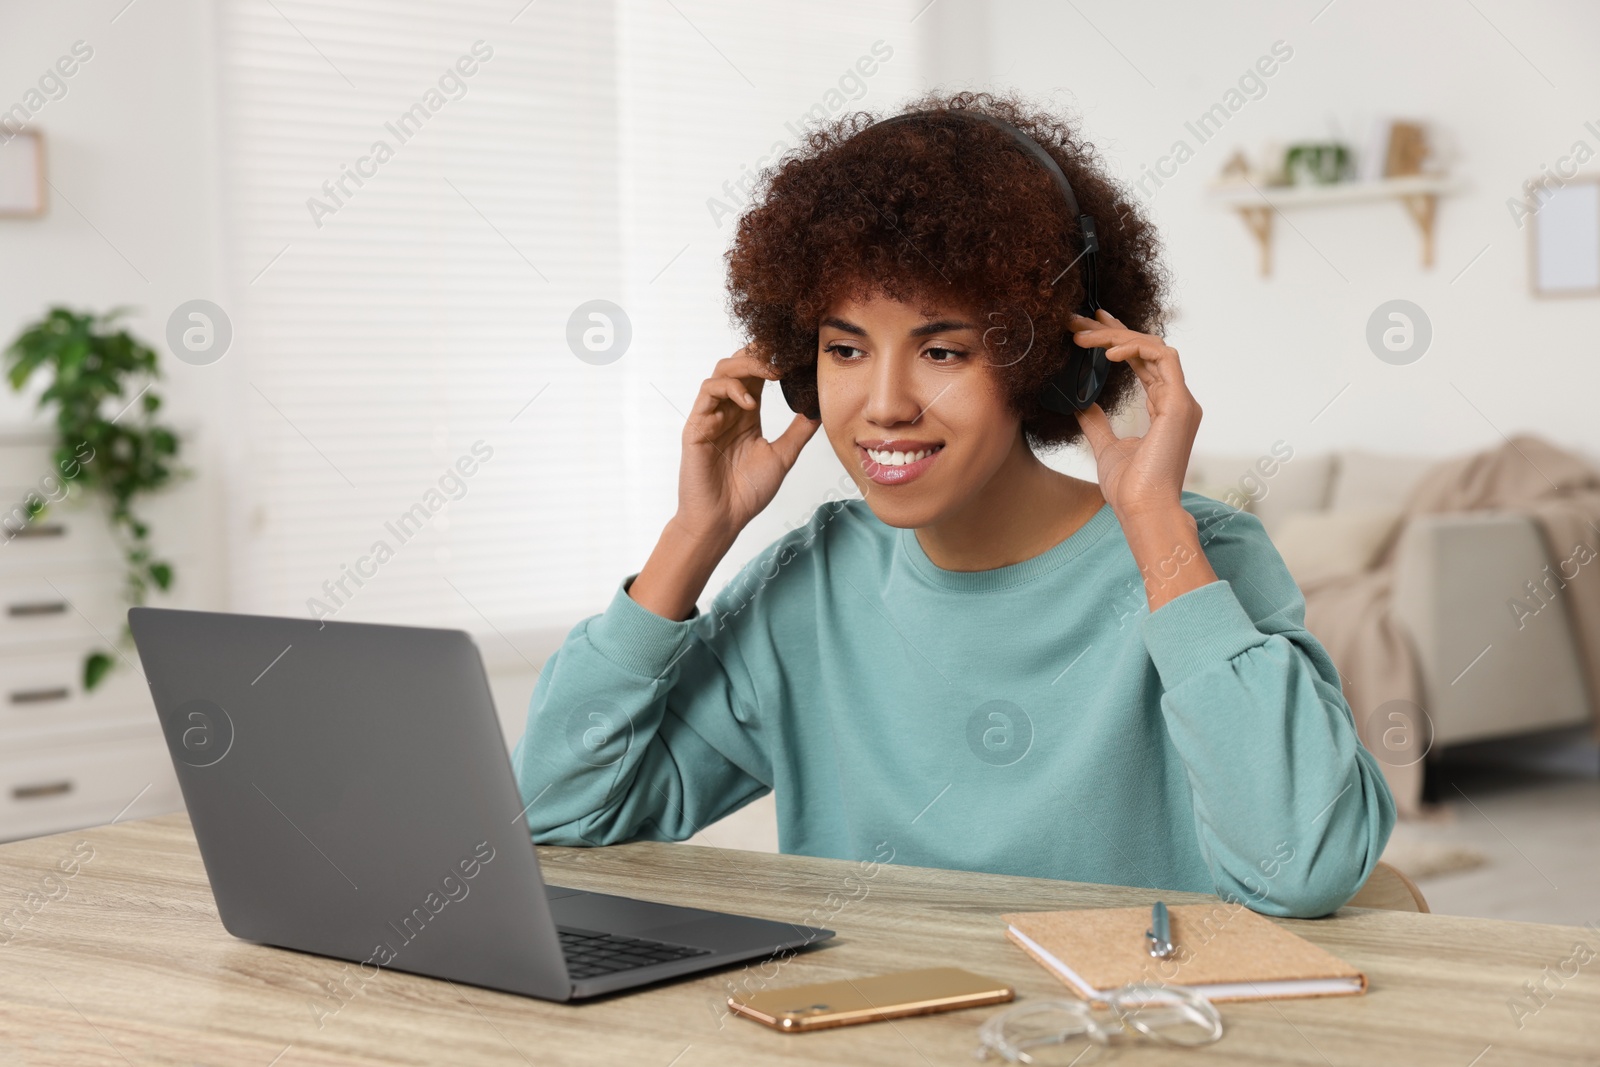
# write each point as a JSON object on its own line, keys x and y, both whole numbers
{"x": 946, "y": 211}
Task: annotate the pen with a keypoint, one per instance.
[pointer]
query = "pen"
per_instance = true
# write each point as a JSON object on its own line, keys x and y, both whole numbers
{"x": 1160, "y": 932}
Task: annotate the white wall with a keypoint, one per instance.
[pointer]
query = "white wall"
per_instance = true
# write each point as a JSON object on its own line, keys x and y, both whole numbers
{"x": 1264, "y": 355}
{"x": 133, "y": 146}
{"x": 132, "y": 219}
{"x": 687, "y": 142}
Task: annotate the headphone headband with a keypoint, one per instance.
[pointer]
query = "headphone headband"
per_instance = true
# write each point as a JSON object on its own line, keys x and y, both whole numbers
{"x": 1027, "y": 144}
{"x": 1084, "y": 374}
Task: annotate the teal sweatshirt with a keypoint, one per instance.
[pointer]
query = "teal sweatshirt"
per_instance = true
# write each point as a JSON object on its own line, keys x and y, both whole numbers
{"x": 1034, "y": 719}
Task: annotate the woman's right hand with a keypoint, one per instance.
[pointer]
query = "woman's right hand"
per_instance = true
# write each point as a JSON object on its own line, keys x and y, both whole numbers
{"x": 729, "y": 472}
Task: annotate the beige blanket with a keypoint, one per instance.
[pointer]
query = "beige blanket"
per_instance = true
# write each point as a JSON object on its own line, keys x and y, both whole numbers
{"x": 1350, "y": 614}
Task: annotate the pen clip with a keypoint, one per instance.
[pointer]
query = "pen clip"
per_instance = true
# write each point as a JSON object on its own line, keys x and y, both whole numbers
{"x": 1160, "y": 933}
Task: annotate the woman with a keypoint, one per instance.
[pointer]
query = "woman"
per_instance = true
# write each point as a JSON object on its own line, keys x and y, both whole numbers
{"x": 984, "y": 663}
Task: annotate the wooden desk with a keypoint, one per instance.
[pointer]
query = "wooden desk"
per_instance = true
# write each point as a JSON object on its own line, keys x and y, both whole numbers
{"x": 131, "y": 966}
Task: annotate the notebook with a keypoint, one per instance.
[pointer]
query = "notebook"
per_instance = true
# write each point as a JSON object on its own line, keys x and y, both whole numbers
{"x": 1226, "y": 951}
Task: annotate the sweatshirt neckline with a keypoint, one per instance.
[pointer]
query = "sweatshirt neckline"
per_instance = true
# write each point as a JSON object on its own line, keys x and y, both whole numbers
{"x": 1075, "y": 544}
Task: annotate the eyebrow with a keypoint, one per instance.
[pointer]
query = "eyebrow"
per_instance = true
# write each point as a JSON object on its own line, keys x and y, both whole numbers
{"x": 925, "y": 330}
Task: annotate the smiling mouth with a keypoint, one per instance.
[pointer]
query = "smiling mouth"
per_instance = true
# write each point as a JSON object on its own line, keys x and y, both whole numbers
{"x": 899, "y": 459}
{"x": 896, "y": 468}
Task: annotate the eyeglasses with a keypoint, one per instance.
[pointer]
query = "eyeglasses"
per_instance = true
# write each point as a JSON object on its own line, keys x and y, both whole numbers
{"x": 1080, "y": 1032}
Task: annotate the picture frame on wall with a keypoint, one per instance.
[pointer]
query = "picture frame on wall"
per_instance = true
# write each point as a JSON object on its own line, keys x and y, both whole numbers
{"x": 1564, "y": 240}
{"x": 22, "y": 174}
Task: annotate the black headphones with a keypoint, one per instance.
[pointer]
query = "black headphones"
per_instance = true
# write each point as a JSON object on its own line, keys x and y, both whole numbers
{"x": 1083, "y": 375}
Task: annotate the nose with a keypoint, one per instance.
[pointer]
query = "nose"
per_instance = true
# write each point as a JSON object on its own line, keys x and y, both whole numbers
{"x": 894, "y": 396}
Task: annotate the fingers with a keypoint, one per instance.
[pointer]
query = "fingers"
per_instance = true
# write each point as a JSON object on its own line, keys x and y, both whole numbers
{"x": 1087, "y": 333}
{"x": 1096, "y": 427}
{"x": 1151, "y": 358}
{"x": 1129, "y": 354}
{"x": 741, "y": 376}
{"x": 1092, "y": 334}
{"x": 745, "y": 363}
{"x": 1107, "y": 324}
{"x": 1156, "y": 365}
{"x": 715, "y": 390}
{"x": 792, "y": 440}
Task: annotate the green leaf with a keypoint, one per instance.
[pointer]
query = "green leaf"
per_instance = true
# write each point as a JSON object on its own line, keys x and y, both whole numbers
{"x": 90, "y": 367}
{"x": 95, "y": 667}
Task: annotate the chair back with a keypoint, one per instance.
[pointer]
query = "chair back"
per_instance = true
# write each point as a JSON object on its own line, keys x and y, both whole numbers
{"x": 1387, "y": 887}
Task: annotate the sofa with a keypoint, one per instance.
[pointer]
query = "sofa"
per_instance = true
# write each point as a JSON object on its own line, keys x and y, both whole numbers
{"x": 1457, "y": 579}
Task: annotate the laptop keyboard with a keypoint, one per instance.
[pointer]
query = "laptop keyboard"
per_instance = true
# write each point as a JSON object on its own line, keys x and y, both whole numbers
{"x": 590, "y": 954}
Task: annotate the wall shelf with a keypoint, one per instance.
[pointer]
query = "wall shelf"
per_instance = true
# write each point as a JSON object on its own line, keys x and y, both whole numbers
{"x": 1419, "y": 194}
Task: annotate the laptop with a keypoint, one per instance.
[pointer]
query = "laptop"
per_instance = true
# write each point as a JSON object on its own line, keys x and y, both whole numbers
{"x": 352, "y": 797}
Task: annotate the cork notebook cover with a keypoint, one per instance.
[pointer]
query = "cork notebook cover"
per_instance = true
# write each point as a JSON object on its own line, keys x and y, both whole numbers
{"x": 1226, "y": 950}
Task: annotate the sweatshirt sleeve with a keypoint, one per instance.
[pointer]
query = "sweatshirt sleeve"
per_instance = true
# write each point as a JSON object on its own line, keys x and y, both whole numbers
{"x": 641, "y": 727}
{"x": 1291, "y": 810}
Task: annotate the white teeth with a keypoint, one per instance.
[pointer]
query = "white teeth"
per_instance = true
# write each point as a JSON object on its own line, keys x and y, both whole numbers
{"x": 899, "y": 459}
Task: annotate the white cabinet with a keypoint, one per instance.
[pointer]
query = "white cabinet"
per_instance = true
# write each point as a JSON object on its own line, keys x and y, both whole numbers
{"x": 71, "y": 758}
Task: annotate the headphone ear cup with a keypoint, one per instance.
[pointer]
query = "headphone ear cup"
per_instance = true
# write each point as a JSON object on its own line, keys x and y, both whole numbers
{"x": 1093, "y": 371}
{"x": 1080, "y": 381}
{"x": 800, "y": 391}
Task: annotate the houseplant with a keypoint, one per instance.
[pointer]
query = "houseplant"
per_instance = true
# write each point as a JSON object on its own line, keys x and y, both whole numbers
{"x": 93, "y": 369}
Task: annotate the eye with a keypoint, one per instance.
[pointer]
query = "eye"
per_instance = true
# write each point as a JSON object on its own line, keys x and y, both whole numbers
{"x": 952, "y": 353}
{"x": 839, "y": 349}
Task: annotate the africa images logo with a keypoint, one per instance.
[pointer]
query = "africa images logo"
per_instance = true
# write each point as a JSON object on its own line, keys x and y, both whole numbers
{"x": 452, "y": 888}
{"x": 201, "y": 733}
{"x": 451, "y": 85}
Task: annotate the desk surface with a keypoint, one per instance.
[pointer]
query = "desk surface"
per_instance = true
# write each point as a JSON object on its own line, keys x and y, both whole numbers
{"x": 131, "y": 966}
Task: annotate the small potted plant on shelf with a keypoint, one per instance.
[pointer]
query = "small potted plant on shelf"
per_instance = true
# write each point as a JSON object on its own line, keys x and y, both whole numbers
{"x": 1317, "y": 163}
{"x": 113, "y": 444}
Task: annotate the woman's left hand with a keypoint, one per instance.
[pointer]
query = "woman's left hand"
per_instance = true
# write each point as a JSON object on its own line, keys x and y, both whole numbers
{"x": 1140, "y": 475}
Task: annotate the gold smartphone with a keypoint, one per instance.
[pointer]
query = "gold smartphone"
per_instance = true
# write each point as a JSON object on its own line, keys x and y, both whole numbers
{"x": 865, "y": 1000}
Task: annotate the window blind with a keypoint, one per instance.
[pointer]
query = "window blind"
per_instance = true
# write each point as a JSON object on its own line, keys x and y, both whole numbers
{"x": 417, "y": 197}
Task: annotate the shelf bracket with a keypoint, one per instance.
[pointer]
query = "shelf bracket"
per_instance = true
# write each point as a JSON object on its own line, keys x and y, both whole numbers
{"x": 1422, "y": 208}
{"x": 1259, "y": 220}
